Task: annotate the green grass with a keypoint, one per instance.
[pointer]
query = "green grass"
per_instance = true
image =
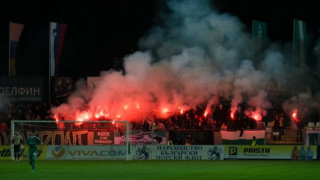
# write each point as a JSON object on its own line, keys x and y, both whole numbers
{"x": 164, "y": 170}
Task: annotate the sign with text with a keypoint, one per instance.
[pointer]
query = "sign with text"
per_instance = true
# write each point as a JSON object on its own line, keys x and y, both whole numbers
{"x": 5, "y": 152}
{"x": 100, "y": 137}
{"x": 86, "y": 152}
{"x": 178, "y": 152}
{"x": 22, "y": 88}
{"x": 270, "y": 152}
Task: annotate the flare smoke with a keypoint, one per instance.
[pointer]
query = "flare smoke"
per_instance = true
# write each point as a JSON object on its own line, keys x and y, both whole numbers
{"x": 195, "y": 56}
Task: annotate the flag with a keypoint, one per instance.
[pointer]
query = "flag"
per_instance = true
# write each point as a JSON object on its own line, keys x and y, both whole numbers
{"x": 300, "y": 41}
{"x": 233, "y": 137}
{"x": 259, "y": 36}
{"x": 259, "y": 32}
{"x": 56, "y": 37}
{"x": 15, "y": 30}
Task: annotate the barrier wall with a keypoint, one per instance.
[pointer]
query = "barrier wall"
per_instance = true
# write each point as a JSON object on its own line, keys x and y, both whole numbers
{"x": 86, "y": 152}
{"x": 270, "y": 152}
{"x": 174, "y": 152}
{"x": 5, "y": 153}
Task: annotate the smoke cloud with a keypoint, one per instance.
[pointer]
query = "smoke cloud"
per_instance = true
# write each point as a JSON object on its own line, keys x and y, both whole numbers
{"x": 193, "y": 57}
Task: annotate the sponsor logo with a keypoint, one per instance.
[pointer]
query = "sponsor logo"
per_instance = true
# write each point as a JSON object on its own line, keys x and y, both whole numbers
{"x": 5, "y": 152}
{"x": 142, "y": 153}
{"x": 233, "y": 151}
{"x": 214, "y": 153}
{"x": 257, "y": 150}
{"x": 58, "y": 152}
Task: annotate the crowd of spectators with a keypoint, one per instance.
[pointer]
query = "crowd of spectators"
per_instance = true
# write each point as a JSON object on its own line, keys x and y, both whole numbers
{"x": 29, "y": 111}
{"x": 218, "y": 118}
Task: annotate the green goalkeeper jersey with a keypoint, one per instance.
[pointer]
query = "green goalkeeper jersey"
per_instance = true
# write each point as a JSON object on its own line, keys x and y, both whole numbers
{"x": 33, "y": 143}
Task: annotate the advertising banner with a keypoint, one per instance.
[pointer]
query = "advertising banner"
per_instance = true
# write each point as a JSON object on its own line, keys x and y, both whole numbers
{"x": 86, "y": 152}
{"x": 138, "y": 137}
{"x": 202, "y": 137}
{"x": 270, "y": 152}
{"x": 22, "y": 88}
{"x": 58, "y": 137}
{"x": 100, "y": 137}
{"x": 178, "y": 152}
{"x": 5, "y": 153}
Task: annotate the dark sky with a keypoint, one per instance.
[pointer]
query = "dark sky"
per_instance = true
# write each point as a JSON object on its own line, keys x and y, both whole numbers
{"x": 101, "y": 30}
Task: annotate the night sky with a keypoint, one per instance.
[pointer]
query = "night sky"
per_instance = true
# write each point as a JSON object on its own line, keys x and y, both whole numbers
{"x": 101, "y": 30}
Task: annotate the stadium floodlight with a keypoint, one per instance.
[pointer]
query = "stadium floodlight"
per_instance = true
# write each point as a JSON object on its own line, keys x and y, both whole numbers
{"x": 96, "y": 132}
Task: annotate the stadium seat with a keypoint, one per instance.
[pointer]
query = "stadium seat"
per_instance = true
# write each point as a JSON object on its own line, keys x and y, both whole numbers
{"x": 311, "y": 125}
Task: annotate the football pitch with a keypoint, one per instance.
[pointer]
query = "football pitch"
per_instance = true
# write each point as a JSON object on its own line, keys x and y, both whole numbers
{"x": 164, "y": 170}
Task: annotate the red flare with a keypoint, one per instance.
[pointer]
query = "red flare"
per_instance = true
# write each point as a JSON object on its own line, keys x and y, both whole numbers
{"x": 295, "y": 114}
{"x": 256, "y": 116}
{"x": 205, "y": 114}
{"x": 232, "y": 115}
{"x": 165, "y": 110}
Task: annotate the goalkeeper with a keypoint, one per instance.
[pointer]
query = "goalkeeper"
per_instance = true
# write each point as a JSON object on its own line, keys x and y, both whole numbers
{"x": 17, "y": 141}
{"x": 33, "y": 142}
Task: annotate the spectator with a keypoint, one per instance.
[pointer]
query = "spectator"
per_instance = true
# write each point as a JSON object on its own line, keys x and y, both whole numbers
{"x": 3, "y": 126}
{"x": 299, "y": 127}
{"x": 220, "y": 116}
{"x": 240, "y": 120}
{"x": 169, "y": 124}
{"x": 254, "y": 141}
{"x": 277, "y": 124}
{"x": 224, "y": 126}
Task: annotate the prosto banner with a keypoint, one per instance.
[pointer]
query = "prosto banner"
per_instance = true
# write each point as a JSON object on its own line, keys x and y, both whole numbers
{"x": 270, "y": 152}
{"x": 86, "y": 152}
{"x": 178, "y": 152}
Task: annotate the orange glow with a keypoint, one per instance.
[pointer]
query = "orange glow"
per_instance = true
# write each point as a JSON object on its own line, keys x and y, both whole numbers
{"x": 232, "y": 115}
{"x": 118, "y": 116}
{"x": 138, "y": 107}
{"x": 125, "y": 107}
